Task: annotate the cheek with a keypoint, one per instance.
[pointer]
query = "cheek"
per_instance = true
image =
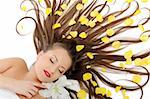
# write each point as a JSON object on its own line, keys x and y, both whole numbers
{"x": 53, "y": 78}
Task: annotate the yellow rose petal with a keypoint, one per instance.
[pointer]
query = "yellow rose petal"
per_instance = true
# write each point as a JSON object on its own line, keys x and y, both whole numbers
{"x": 109, "y": 1}
{"x": 72, "y": 22}
{"x": 99, "y": 17}
{"x": 129, "y": 1}
{"x": 145, "y": 61}
{"x": 90, "y": 55}
{"x": 117, "y": 89}
{"x": 88, "y": 66}
{"x": 122, "y": 65}
{"x": 111, "y": 18}
{"x": 83, "y": 20}
{"x": 87, "y": 76}
{"x": 58, "y": 13}
{"x": 126, "y": 97}
{"x": 48, "y": 11}
{"x": 40, "y": 1}
{"x": 100, "y": 90}
{"x": 79, "y": 6}
{"x": 137, "y": 61}
{"x": 94, "y": 13}
{"x": 128, "y": 54}
{"x": 103, "y": 69}
{"x": 108, "y": 93}
{"x": 141, "y": 27}
{"x": 123, "y": 92}
{"x": 79, "y": 47}
{"x": 73, "y": 34}
{"x": 129, "y": 22}
{"x": 137, "y": 12}
{"x": 137, "y": 78}
{"x": 144, "y": 1}
{"x": 144, "y": 37}
{"x": 69, "y": 37}
{"x": 128, "y": 61}
{"x": 83, "y": 35}
{"x": 56, "y": 25}
{"x": 94, "y": 83}
{"x": 81, "y": 94}
{"x": 24, "y": 8}
{"x": 116, "y": 44}
{"x": 84, "y": 1}
{"x": 64, "y": 6}
{"x": 105, "y": 39}
{"x": 110, "y": 32}
{"x": 91, "y": 23}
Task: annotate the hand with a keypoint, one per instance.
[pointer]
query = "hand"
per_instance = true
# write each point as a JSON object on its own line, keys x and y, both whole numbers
{"x": 25, "y": 88}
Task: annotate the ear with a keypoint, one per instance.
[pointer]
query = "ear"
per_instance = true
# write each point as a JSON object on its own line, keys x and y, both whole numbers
{"x": 40, "y": 54}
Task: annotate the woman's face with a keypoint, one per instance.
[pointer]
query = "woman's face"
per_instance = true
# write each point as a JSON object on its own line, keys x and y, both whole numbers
{"x": 52, "y": 64}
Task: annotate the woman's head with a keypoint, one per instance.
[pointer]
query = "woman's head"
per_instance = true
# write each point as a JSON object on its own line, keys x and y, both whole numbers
{"x": 55, "y": 60}
{"x": 94, "y": 28}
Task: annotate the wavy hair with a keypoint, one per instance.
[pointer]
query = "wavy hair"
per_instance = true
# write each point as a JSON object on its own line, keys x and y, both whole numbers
{"x": 45, "y": 36}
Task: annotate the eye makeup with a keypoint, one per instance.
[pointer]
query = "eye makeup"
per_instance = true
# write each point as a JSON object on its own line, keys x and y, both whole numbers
{"x": 51, "y": 61}
{"x": 60, "y": 71}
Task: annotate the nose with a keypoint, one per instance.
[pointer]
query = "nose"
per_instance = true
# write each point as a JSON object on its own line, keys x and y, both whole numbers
{"x": 53, "y": 68}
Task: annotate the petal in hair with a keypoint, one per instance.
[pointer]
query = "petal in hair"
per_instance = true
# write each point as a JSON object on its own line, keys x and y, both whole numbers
{"x": 129, "y": 22}
{"x": 144, "y": 37}
{"x": 137, "y": 78}
{"x": 110, "y": 32}
{"x": 56, "y": 25}
{"x": 48, "y": 11}
{"x": 87, "y": 76}
{"x": 111, "y": 18}
{"x": 116, "y": 44}
{"x": 79, "y": 47}
{"x": 73, "y": 34}
{"x": 64, "y": 6}
{"x": 90, "y": 55}
{"x": 105, "y": 39}
{"x": 81, "y": 94}
{"x": 83, "y": 35}
{"x": 79, "y": 6}
{"x": 72, "y": 22}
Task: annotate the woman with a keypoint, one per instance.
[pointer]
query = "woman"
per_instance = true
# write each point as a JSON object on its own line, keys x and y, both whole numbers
{"x": 76, "y": 35}
{"x": 49, "y": 66}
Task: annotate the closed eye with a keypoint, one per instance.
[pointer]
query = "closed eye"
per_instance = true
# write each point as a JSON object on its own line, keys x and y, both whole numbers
{"x": 51, "y": 60}
{"x": 60, "y": 71}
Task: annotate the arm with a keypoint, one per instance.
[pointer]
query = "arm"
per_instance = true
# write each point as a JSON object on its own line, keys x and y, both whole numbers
{"x": 6, "y": 64}
{"x": 21, "y": 87}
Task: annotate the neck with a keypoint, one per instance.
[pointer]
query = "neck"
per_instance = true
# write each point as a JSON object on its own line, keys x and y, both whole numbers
{"x": 31, "y": 75}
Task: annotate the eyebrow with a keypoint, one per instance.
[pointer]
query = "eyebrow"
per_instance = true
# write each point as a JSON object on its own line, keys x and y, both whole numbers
{"x": 57, "y": 61}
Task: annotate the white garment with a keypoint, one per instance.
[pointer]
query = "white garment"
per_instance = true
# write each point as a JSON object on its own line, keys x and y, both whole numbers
{"x": 6, "y": 94}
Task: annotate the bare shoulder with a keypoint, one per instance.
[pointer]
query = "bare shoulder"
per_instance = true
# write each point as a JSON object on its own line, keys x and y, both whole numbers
{"x": 15, "y": 62}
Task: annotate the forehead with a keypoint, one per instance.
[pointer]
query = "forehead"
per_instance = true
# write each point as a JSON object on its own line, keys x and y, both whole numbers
{"x": 62, "y": 55}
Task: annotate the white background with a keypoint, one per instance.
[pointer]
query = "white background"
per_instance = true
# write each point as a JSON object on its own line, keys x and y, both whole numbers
{"x": 13, "y": 45}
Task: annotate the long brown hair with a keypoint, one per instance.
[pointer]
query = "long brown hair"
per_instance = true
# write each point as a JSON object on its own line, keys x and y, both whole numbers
{"x": 45, "y": 35}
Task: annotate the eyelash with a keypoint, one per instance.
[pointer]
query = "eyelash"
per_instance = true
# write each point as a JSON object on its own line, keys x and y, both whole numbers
{"x": 60, "y": 71}
{"x": 53, "y": 63}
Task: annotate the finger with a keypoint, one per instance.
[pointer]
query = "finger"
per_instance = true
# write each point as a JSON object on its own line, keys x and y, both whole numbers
{"x": 32, "y": 92}
{"x": 39, "y": 85}
{"x": 34, "y": 89}
{"x": 28, "y": 95}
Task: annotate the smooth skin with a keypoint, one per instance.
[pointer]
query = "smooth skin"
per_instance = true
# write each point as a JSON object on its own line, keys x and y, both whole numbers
{"x": 15, "y": 76}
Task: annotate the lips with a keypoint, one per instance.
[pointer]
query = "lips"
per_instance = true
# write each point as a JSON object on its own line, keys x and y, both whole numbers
{"x": 47, "y": 73}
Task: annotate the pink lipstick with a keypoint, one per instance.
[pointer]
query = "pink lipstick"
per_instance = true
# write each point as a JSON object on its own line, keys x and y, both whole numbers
{"x": 47, "y": 73}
